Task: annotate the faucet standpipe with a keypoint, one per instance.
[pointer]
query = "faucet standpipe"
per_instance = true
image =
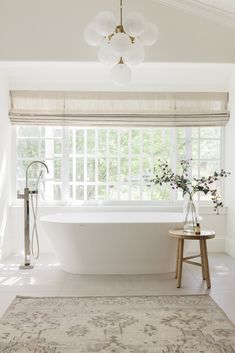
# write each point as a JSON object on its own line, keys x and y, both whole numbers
{"x": 25, "y": 197}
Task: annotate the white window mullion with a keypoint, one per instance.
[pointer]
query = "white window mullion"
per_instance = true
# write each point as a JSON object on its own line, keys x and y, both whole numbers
{"x": 85, "y": 164}
{"x": 96, "y": 165}
{"x": 74, "y": 132}
{"x": 119, "y": 163}
{"x": 152, "y": 159}
{"x": 49, "y": 160}
{"x": 199, "y": 157}
{"x": 188, "y": 138}
{"x": 188, "y": 147}
{"x": 129, "y": 165}
{"x": 65, "y": 167}
{"x": 107, "y": 163}
{"x": 14, "y": 176}
{"x": 141, "y": 164}
{"x": 173, "y": 159}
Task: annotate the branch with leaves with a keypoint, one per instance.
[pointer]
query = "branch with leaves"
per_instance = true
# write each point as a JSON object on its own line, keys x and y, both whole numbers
{"x": 206, "y": 185}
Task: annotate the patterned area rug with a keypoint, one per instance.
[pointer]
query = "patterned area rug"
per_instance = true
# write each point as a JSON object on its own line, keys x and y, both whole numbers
{"x": 153, "y": 324}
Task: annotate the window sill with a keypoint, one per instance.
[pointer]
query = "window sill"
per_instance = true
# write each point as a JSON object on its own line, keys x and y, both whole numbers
{"x": 204, "y": 208}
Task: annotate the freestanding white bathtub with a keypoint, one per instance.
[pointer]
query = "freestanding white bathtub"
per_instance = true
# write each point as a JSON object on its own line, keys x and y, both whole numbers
{"x": 113, "y": 242}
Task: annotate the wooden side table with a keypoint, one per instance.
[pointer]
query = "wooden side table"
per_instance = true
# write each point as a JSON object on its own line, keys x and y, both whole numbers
{"x": 204, "y": 264}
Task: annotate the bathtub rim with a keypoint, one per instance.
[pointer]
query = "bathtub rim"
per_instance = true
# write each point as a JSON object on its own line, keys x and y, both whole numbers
{"x": 137, "y": 217}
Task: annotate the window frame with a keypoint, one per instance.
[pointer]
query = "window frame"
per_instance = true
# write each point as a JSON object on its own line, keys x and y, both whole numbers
{"x": 173, "y": 203}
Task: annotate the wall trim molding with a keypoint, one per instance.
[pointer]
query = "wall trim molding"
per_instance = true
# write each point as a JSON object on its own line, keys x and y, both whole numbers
{"x": 198, "y": 8}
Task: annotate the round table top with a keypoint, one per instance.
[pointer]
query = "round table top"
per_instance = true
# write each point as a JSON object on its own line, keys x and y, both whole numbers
{"x": 181, "y": 234}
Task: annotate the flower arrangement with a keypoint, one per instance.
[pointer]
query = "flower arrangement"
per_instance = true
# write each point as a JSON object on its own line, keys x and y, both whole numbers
{"x": 207, "y": 185}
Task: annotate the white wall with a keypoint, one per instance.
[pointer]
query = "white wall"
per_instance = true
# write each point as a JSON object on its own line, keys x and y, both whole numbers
{"x": 230, "y": 166}
{"x": 52, "y": 30}
{"x": 5, "y": 165}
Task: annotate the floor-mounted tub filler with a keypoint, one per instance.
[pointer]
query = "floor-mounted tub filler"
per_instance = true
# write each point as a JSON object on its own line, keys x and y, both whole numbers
{"x": 111, "y": 242}
{"x": 27, "y": 196}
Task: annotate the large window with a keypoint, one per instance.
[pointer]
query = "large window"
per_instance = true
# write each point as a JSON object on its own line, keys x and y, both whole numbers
{"x": 113, "y": 163}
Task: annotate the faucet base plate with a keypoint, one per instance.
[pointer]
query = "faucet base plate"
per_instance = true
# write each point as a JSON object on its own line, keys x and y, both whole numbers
{"x": 26, "y": 267}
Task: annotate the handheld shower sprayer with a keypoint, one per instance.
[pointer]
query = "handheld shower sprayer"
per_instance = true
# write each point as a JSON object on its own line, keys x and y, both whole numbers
{"x": 29, "y": 245}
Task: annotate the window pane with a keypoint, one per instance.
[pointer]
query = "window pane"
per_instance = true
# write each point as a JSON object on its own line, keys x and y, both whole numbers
{"x": 124, "y": 169}
{"x": 135, "y": 169}
{"x": 135, "y": 192}
{"x": 91, "y": 192}
{"x": 124, "y": 192}
{"x": 90, "y": 141}
{"x": 71, "y": 169}
{"x": 195, "y": 149}
{"x": 57, "y": 146}
{"x": 28, "y": 148}
{"x": 161, "y": 193}
{"x": 57, "y": 169}
{"x": 80, "y": 169}
{"x": 210, "y": 132}
{"x": 101, "y": 192}
{"x": 135, "y": 141}
{"x": 161, "y": 143}
{"x": 210, "y": 149}
{"x": 79, "y": 141}
{"x": 147, "y": 141}
{"x": 102, "y": 169}
{"x": 207, "y": 168}
{"x": 57, "y": 192}
{"x": 124, "y": 142}
{"x": 113, "y": 169}
{"x": 58, "y": 132}
{"x": 21, "y": 169}
{"x": 181, "y": 148}
{"x": 113, "y": 142}
{"x": 80, "y": 192}
{"x": 102, "y": 141}
{"x": 90, "y": 169}
{"x": 113, "y": 193}
{"x": 29, "y": 131}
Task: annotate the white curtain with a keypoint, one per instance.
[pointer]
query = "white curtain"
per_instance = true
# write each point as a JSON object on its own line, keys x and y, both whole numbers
{"x": 143, "y": 109}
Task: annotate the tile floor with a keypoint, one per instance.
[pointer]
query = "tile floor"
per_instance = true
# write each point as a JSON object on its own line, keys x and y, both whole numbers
{"x": 47, "y": 279}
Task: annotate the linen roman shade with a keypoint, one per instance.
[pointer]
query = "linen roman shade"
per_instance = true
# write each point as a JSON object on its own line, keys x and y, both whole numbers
{"x": 143, "y": 109}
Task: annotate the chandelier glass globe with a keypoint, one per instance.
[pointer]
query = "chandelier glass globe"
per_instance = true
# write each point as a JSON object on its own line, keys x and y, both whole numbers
{"x": 120, "y": 74}
{"x": 91, "y": 36}
{"x": 150, "y": 34}
{"x": 134, "y": 24}
{"x": 135, "y": 55}
{"x": 106, "y": 55}
{"x": 121, "y": 44}
{"x": 105, "y": 23}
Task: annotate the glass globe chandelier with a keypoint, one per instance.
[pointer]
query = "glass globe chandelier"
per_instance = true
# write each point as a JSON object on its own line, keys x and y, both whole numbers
{"x": 122, "y": 45}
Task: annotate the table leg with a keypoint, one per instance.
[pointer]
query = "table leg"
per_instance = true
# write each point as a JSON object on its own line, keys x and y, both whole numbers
{"x": 207, "y": 271}
{"x": 202, "y": 260}
{"x": 180, "y": 264}
{"x": 177, "y": 258}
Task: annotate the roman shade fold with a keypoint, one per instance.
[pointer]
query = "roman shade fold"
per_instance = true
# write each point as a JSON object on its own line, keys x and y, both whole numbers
{"x": 137, "y": 109}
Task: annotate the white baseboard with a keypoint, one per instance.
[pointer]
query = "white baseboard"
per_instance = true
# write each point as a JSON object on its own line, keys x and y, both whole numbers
{"x": 230, "y": 246}
{"x": 213, "y": 245}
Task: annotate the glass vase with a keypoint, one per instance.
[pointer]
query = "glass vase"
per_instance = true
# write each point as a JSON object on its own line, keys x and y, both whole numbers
{"x": 190, "y": 215}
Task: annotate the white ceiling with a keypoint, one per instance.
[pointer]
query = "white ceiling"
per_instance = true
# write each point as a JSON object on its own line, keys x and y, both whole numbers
{"x": 220, "y": 11}
{"x": 225, "y": 5}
